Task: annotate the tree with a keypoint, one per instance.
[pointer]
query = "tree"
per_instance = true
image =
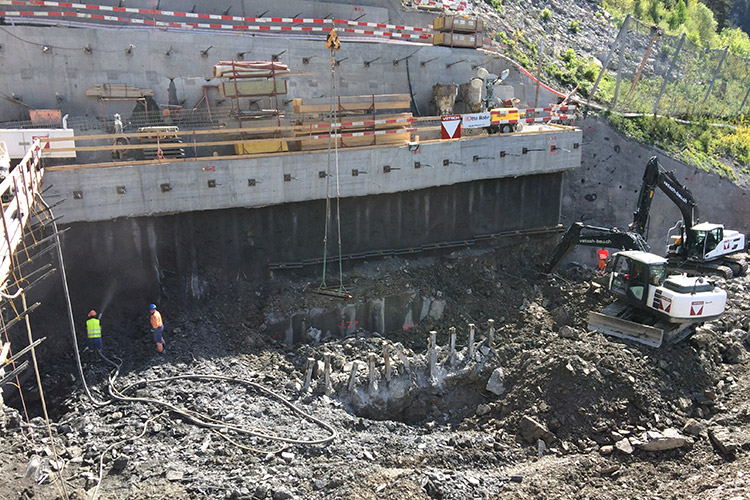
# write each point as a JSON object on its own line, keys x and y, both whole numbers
{"x": 720, "y": 9}
{"x": 678, "y": 15}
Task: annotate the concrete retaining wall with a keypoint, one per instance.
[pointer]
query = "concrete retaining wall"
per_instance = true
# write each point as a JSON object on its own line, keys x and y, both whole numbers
{"x": 92, "y": 194}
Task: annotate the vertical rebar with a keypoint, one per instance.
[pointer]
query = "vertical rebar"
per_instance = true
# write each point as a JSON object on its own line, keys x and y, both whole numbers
{"x": 387, "y": 362}
{"x": 452, "y": 343}
{"x": 404, "y": 359}
{"x": 327, "y": 372}
{"x": 371, "y": 364}
{"x": 353, "y": 376}
{"x": 491, "y": 333}
{"x": 472, "y": 331}
{"x": 308, "y": 374}
{"x": 433, "y": 354}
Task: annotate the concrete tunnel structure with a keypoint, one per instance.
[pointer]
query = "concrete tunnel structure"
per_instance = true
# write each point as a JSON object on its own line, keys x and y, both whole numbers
{"x": 242, "y": 215}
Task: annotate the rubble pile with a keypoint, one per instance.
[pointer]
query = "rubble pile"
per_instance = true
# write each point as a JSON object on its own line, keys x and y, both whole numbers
{"x": 551, "y": 410}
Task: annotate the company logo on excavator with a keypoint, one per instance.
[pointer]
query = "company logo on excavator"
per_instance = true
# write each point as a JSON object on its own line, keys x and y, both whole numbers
{"x": 696, "y": 308}
{"x": 676, "y": 193}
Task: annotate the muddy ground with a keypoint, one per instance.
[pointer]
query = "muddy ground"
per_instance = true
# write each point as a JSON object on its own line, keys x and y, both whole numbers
{"x": 575, "y": 415}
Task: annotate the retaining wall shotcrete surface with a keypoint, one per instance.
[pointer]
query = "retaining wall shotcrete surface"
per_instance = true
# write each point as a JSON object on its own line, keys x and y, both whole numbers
{"x": 58, "y": 79}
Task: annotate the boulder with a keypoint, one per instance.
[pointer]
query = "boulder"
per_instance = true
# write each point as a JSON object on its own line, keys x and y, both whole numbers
{"x": 568, "y": 332}
{"x": 495, "y": 383}
{"x": 532, "y": 431}
{"x": 661, "y": 441}
{"x": 726, "y": 440}
{"x": 694, "y": 428}
{"x": 482, "y": 410}
{"x": 624, "y": 446}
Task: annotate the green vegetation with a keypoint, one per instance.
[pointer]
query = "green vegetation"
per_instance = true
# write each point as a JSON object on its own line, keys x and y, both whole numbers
{"x": 546, "y": 15}
{"x": 723, "y": 150}
{"x": 704, "y": 22}
{"x": 575, "y": 26}
{"x": 496, "y": 4}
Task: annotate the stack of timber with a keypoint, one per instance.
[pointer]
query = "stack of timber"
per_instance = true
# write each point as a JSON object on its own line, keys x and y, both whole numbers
{"x": 458, "y": 31}
{"x": 118, "y": 91}
{"x": 251, "y": 78}
{"x": 158, "y": 137}
{"x": 358, "y": 104}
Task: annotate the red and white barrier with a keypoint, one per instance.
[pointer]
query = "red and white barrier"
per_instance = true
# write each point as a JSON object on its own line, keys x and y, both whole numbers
{"x": 216, "y": 17}
{"x": 230, "y": 27}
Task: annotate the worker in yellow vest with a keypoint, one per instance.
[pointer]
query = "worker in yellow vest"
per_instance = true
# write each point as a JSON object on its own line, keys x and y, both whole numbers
{"x": 94, "y": 331}
{"x": 157, "y": 327}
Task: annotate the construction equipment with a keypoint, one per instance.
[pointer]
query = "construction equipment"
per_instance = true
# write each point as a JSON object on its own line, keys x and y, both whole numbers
{"x": 701, "y": 249}
{"x": 652, "y": 307}
{"x": 505, "y": 117}
{"x": 602, "y": 237}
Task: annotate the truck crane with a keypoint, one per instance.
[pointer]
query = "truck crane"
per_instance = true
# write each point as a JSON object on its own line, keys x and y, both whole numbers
{"x": 695, "y": 248}
{"x": 602, "y": 237}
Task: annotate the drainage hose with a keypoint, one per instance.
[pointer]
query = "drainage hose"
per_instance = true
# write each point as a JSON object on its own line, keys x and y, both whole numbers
{"x": 203, "y": 420}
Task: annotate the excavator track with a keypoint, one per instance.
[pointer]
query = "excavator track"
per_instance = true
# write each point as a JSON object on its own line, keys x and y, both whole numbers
{"x": 703, "y": 268}
{"x": 737, "y": 265}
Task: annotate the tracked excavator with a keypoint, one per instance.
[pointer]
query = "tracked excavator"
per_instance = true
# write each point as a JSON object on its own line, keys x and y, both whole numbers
{"x": 695, "y": 248}
{"x": 651, "y": 306}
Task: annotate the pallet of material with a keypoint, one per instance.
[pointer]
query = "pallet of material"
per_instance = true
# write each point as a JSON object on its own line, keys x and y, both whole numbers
{"x": 257, "y": 147}
{"x": 376, "y": 102}
{"x": 249, "y": 69}
{"x": 458, "y": 24}
{"x": 457, "y": 40}
{"x": 312, "y": 143}
{"x": 118, "y": 90}
{"x": 251, "y": 88}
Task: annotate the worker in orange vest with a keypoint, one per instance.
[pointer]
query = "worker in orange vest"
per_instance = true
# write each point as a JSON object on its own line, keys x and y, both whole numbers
{"x": 157, "y": 327}
{"x": 603, "y": 255}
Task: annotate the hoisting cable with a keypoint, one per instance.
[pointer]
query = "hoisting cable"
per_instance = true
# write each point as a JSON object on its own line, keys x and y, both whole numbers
{"x": 328, "y": 174}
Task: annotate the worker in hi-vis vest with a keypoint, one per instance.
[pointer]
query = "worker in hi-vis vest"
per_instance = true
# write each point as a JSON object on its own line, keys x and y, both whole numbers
{"x": 603, "y": 255}
{"x": 157, "y": 327}
{"x": 94, "y": 331}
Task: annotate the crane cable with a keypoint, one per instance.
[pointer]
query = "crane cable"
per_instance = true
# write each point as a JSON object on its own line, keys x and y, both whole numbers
{"x": 334, "y": 44}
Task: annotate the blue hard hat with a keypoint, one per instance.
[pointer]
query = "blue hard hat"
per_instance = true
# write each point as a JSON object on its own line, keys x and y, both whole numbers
{"x": 152, "y": 307}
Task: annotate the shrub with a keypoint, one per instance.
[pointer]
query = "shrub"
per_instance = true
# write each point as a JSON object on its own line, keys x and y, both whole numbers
{"x": 546, "y": 15}
{"x": 575, "y": 26}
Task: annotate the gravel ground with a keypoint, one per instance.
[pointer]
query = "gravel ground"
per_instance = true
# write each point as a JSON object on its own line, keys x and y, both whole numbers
{"x": 578, "y": 415}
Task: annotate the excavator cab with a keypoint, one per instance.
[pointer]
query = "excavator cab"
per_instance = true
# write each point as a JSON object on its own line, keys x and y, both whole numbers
{"x": 633, "y": 272}
{"x": 706, "y": 237}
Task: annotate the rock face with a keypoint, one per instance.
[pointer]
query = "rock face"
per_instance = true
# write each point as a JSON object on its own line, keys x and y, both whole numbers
{"x": 532, "y": 431}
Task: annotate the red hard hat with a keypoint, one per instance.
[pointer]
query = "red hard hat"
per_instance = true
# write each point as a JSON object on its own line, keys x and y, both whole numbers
{"x": 92, "y": 313}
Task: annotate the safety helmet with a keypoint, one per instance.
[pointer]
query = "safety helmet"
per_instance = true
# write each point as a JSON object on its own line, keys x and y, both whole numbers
{"x": 152, "y": 307}
{"x": 92, "y": 313}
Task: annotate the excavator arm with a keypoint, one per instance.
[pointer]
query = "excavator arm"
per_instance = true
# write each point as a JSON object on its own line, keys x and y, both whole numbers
{"x": 603, "y": 237}
{"x": 656, "y": 176}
